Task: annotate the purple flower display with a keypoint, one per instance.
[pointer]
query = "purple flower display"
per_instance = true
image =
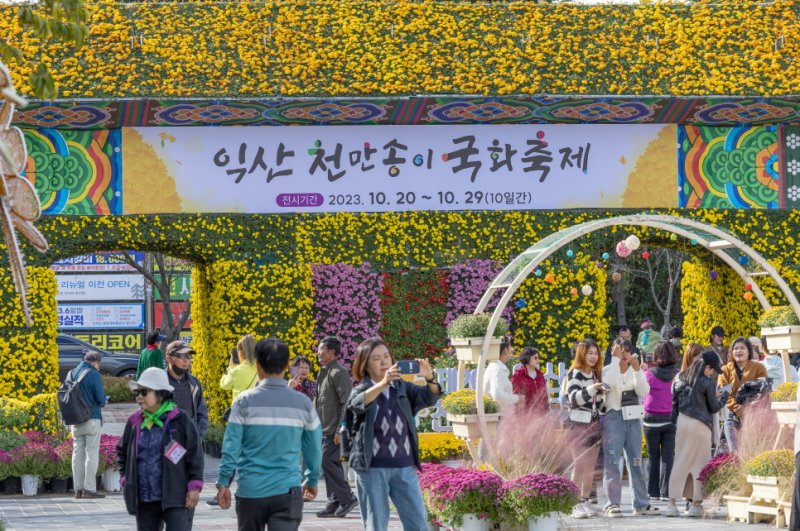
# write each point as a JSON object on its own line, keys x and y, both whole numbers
{"x": 714, "y": 464}
{"x": 33, "y": 458}
{"x": 534, "y": 495}
{"x": 347, "y": 304}
{"x": 464, "y": 491}
{"x": 468, "y": 281}
{"x": 108, "y": 453}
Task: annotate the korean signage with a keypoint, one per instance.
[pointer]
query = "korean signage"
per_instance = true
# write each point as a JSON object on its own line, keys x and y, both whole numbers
{"x": 177, "y": 309}
{"x": 396, "y": 168}
{"x": 100, "y": 316}
{"x": 180, "y": 288}
{"x": 118, "y": 341}
{"x": 111, "y": 287}
{"x": 97, "y": 262}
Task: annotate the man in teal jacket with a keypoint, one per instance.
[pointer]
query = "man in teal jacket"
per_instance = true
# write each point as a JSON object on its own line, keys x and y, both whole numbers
{"x": 269, "y": 428}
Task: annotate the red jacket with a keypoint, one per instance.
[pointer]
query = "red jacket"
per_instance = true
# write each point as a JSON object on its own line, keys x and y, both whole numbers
{"x": 533, "y": 389}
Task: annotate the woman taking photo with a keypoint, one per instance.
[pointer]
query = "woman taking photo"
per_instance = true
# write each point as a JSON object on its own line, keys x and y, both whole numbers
{"x": 659, "y": 430}
{"x": 528, "y": 381}
{"x": 300, "y": 382}
{"x": 695, "y": 399}
{"x": 160, "y": 457}
{"x": 385, "y": 460}
{"x": 741, "y": 368}
{"x": 241, "y": 372}
{"x": 585, "y": 392}
{"x": 622, "y": 429}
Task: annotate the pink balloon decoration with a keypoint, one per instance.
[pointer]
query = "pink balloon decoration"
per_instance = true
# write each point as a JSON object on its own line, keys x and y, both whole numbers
{"x": 622, "y": 249}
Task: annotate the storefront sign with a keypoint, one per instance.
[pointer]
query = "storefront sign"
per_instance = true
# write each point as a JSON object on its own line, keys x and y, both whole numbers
{"x": 97, "y": 262}
{"x": 100, "y": 316}
{"x": 110, "y": 287}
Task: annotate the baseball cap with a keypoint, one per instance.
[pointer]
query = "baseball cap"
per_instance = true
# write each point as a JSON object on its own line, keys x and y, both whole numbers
{"x": 718, "y": 331}
{"x": 646, "y": 322}
{"x": 712, "y": 358}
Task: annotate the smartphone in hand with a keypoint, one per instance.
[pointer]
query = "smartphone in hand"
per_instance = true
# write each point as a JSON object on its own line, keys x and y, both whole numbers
{"x": 604, "y": 387}
{"x": 235, "y": 355}
{"x": 408, "y": 366}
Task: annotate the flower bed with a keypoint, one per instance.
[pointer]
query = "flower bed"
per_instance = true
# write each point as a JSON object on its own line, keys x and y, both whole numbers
{"x": 465, "y": 492}
{"x": 536, "y": 495}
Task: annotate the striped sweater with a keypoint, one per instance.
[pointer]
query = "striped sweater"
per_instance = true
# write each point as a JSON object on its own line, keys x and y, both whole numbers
{"x": 270, "y": 427}
{"x": 580, "y": 391}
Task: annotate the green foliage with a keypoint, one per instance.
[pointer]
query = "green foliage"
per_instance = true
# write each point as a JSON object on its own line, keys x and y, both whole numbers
{"x": 117, "y": 389}
{"x": 778, "y": 316}
{"x": 12, "y": 417}
{"x": 10, "y": 440}
{"x": 463, "y": 403}
{"x": 214, "y": 433}
{"x": 771, "y": 463}
{"x": 786, "y": 392}
{"x": 470, "y": 325}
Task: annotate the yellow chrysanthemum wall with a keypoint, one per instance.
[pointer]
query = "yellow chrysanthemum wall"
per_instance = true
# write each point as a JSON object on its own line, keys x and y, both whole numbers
{"x": 253, "y": 274}
{"x": 235, "y": 298}
{"x": 325, "y": 48}
{"x": 28, "y": 356}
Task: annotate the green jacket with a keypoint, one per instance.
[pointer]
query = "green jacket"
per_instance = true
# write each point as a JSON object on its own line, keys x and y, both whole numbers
{"x": 150, "y": 357}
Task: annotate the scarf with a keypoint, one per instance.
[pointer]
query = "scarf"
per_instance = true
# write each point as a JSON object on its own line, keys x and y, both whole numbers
{"x": 148, "y": 419}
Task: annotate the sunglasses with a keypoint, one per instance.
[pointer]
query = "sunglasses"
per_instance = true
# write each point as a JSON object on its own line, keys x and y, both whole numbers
{"x": 141, "y": 392}
{"x": 181, "y": 356}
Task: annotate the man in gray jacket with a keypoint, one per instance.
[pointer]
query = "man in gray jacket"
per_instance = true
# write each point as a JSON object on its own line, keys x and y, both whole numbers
{"x": 333, "y": 391}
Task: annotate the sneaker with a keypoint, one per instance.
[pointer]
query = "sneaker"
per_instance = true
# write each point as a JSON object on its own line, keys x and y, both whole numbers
{"x": 654, "y": 498}
{"x": 79, "y": 494}
{"x": 329, "y": 510}
{"x": 213, "y": 502}
{"x": 587, "y": 505}
{"x": 665, "y": 498}
{"x": 671, "y": 511}
{"x": 580, "y": 512}
{"x": 342, "y": 511}
{"x": 647, "y": 511}
{"x": 95, "y": 494}
{"x": 613, "y": 511}
{"x": 695, "y": 511}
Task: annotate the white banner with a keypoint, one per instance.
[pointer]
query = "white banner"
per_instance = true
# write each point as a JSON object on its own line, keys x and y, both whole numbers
{"x": 100, "y": 316}
{"x": 396, "y": 168}
{"x": 121, "y": 287}
{"x": 100, "y": 262}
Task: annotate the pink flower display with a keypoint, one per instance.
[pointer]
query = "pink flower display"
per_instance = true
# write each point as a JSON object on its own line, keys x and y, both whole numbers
{"x": 347, "y": 304}
{"x": 714, "y": 464}
{"x": 534, "y": 495}
{"x": 464, "y": 491}
{"x": 108, "y": 452}
{"x": 33, "y": 458}
{"x": 468, "y": 281}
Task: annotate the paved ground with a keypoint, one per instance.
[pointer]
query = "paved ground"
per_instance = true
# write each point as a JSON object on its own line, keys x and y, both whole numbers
{"x": 63, "y": 512}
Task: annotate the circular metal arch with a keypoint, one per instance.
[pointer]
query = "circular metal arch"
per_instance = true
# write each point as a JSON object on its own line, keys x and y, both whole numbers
{"x": 720, "y": 243}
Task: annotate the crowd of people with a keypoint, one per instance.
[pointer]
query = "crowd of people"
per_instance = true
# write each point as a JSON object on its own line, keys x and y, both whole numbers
{"x": 283, "y": 435}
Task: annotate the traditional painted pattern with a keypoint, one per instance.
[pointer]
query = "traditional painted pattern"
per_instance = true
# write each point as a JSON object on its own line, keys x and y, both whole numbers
{"x": 727, "y": 111}
{"x": 76, "y": 172}
{"x": 723, "y": 167}
{"x": 791, "y": 145}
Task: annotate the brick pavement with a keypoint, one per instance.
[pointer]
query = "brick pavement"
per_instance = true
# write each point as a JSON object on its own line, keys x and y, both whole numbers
{"x": 60, "y": 512}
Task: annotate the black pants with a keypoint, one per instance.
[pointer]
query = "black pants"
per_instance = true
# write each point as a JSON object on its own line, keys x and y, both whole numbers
{"x": 150, "y": 516}
{"x": 335, "y": 483}
{"x": 283, "y": 512}
{"x": 661, "y": 451}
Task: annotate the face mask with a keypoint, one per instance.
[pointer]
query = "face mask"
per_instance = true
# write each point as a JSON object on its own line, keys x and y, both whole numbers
{"x": 179, "y": 371}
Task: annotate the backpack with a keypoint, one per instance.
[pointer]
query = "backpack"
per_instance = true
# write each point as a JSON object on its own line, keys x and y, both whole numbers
{"x": 71, "y": 402}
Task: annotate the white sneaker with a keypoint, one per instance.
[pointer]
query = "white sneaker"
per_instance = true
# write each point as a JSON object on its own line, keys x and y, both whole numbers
{"x": 670, "y": 511}
{"x": 695, "y": 511}
{"x": 580, "y": 512}
{"x": 590, "y": 510}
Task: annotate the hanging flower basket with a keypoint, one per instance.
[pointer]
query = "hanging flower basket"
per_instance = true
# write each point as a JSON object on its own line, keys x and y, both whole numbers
{"x": 782, "y": 338}
{"x": 469, "y": 349}
{"x": 468, "y": 427}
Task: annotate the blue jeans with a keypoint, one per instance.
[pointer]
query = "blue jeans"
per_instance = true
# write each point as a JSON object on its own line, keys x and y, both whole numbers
{"x": 377, "y": 485}
{"x": 619, "y": 435}
{"x": 731, "y": 429}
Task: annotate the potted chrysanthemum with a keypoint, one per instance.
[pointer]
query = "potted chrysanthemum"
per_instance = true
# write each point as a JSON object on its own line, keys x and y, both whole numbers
{"x": 32, "y": 462}
{"x": 536, "y": 500}
{"x": 466, "y": 334}
{"x": 770, "y": 474}
{"x": 466, "y": 499}
{"x": 462, "y": 413}
{"x": 784, "y": 403}
{"x": 781, "y": 327}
